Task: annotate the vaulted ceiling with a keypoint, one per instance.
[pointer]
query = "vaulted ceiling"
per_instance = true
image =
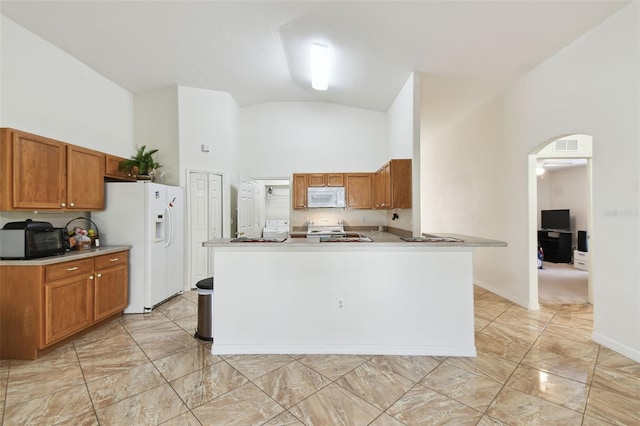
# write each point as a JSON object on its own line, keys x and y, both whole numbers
{"x": 258, "y": 51}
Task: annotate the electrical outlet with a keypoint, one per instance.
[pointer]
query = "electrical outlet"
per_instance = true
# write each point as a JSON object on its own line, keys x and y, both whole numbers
{"x": 340, "y": 304}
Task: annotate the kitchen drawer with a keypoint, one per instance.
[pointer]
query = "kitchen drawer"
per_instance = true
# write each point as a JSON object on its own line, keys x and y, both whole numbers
{"x": 110, "y": 260}
{"x": 68, "y": 269}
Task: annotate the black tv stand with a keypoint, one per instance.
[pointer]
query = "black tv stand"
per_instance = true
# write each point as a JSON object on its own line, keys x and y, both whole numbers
{"x": 556, "y": 245}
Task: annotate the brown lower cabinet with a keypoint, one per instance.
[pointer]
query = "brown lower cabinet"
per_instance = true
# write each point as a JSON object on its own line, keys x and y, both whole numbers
{"x": 41, "y": 306}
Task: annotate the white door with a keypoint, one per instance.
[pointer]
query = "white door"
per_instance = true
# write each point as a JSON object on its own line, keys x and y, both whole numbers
{"x": 246, "y": 209}
{"x": 205, "y": 223}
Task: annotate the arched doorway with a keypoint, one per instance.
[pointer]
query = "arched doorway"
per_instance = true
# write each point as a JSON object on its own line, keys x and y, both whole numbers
{"x": 554, "y": 158}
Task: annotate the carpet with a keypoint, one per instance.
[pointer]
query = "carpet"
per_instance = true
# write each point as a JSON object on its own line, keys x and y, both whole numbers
{"x": 561, "y": 283}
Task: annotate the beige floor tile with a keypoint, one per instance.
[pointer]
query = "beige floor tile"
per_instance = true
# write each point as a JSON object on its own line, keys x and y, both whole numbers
{"x": 386, "y": 420}
{"x": 569, "y": 333}
{"x": 563, "y": 357}
{"x": 55, "y": 371}
{"x": 188, "y": 324}
{"x": 178, "y": 308}
{"x": 593, "y": 421}
{"x": 104, "y": 333}
{"x": 474, "y": 390}
{"x": 556, "y": 389}
{"x": 501, "y": 345}
{"x": 617, "y": 373}
{"x": 137, "y": 322}
{"x": 422, "y": 406}
{"x": 611, "y": 406}
{"x": 332, "y": 366}
{"x": 184, "y": 419}
{"x": 333, "y": 405}
{"x": 204, "y": 385}
{"x": 151, "y": 407}
{"x": 517, "y": 408}
{"x": 519, "y": 315}
{"x": 185, "y": 362}
{"x": 377, "y": 386}
{"x": 284, "y": 419}
{"x": 191, "y": 296}
{"x": 524, "y": 330}
{"x": 106, "y": 357}
{"x": 488, "y": 312}
{"x": 412, "y": 367}
{"x": 163, "y": 340}
{"x": 111, "y": 389}
{"x": 479, "y": 323}
{"x": 490, "y": 421}
{"x": 485, "y": 364}
{"x": 291, "y": 383}
{"x": 50, "y": 409}
{"x": 254, "y": 366}
{"x": 88, "y": 419}
{"x": 244, "y": 406}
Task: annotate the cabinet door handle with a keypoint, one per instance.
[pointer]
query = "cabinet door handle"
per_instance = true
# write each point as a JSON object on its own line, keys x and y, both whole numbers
{"x": 91, "y": 277}
{"x": 72, "y": 269}
{"x": 114, "y": 259}
{"x": 63, "y": 204}
{"x": 99, "y": 275}
{"x": 72, "y": 204}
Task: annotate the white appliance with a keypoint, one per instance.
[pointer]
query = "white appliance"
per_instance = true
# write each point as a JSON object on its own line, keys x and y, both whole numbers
{"x": 325, "y": 196}
{"x": 276, "y": 229}
{"x": 149, "y": 217}
{"x": 325, "y": 228}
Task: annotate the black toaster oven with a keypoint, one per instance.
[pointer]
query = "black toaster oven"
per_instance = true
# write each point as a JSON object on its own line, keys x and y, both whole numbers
{"x": 31, "y": 239}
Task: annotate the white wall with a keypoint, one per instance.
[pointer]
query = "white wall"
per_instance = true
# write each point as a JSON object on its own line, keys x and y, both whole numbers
{"x": 278, "y": 139}
{"x": 566, "y": 189}
{"x": 156, "y": 126}
{"x": 483, "y": 171}
{"x": 403, "y": 138}
{"x": 45, "y": 91}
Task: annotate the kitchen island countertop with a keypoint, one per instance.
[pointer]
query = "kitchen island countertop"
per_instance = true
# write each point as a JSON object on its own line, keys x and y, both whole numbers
{"x": 380, "y": 239}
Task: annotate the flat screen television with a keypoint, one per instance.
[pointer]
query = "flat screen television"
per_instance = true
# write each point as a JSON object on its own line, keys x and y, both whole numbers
{"x": 555, "y": 220}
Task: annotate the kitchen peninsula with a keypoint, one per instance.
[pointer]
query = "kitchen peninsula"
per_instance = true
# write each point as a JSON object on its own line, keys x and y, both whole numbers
{"x": 387, "y": 297}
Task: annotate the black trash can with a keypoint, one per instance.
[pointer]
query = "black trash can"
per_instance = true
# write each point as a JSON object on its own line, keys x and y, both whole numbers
{"x": 204, "y": 331}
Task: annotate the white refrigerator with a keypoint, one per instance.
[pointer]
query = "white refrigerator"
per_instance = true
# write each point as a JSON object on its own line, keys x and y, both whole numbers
{"x": 149, "y": 217}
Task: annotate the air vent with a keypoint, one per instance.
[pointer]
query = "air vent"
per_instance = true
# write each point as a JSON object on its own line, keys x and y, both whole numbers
{"x": 566, "y": 145}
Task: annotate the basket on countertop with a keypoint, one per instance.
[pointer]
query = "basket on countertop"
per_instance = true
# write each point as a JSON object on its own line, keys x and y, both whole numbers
{"x": 83, "y": 239}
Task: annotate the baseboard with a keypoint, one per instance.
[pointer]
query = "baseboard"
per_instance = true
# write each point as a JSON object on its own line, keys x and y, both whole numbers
{"x": 615, "y": 346}
{"x": 418, "y": 350}
{"x": 532, "y": 306}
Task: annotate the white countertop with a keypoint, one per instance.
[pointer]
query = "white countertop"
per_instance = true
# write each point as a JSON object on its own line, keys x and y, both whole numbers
{"x": 380, "y": 239}
{"x": 70, "y": 255}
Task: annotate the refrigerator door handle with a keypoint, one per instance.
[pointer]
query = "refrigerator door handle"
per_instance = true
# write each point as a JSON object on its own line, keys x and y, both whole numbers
{"x": 170, "y": 216}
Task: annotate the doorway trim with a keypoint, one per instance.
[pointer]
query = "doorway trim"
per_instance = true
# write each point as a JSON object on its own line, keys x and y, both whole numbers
{"x": 532, "y": 158}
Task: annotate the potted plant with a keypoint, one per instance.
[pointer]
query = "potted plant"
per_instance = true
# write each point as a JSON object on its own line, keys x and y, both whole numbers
{"x": 142, "y": 163}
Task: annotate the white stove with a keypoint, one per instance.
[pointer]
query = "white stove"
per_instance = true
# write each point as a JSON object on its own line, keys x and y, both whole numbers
{"x": 325, "y": 228}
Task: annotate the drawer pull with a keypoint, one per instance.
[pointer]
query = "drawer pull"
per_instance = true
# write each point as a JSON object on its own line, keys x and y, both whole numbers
{"x": 72, "y": 269}
{"x": 114, "y": 259}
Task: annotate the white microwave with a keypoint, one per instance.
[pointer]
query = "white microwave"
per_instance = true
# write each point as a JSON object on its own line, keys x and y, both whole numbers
{"x": 326, "y": 197}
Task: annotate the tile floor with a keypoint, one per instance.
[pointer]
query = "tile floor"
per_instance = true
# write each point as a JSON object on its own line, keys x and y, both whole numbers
{"x": 532, "y": 368}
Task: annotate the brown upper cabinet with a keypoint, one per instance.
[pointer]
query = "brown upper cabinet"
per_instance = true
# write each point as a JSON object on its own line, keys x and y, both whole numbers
{"x": 325, "y": 179}
{"x": 392, "y": 185}
{"x": 358, "y": 190}
{"x": 112, "y": 169}
{"x": 300, "y": 184}
{"x": 38, "y": 173}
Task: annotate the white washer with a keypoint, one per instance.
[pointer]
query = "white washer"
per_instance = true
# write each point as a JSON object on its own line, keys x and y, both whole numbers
{"x": 276, "y": 229}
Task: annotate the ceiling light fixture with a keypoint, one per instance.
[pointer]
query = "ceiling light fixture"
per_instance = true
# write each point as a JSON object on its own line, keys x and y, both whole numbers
{"x": 319, "y": 66}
